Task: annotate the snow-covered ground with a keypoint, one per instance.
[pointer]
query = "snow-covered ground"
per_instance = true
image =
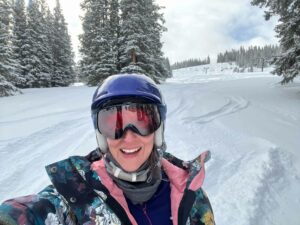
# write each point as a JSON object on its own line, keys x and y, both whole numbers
{"x": 249, "y": 122}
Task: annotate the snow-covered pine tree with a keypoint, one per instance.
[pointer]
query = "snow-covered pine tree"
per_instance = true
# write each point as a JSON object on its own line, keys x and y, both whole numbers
{"x": 63, "y": 57}
{"x": 50, "y": 36}
{"x": 208, "y": 60}
{"x": 34, "y": 61}
{"x": 45, "y": 47}
{"x": 133, "y": 43}
{"x": 88, "y": 24}
{"x": 8, "y": 77}
{"x": 140, "y": 46}
{"x": 167, "y": 64}
{"x": 7, "y": 88}
{"x": 287, "y": 64}
{"x": 154, "y": 30}
{"x": 99, "y": 54}
{"x": 19, "y": 38}
{"x": 114, "y": 31}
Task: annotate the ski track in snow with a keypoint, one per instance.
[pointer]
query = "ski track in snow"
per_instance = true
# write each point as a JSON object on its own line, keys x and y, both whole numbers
{"x": 234, "y": 104}
{"x": 180, "y": 107}
{"x": 246, "y": 175}
{"x": 248, "y": 180}
{"x": 36, "y": 148}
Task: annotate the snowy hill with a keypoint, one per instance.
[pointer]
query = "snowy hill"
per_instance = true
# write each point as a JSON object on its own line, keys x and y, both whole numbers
{"x": 212, "y": 72}
{"x": 249, "y": 122}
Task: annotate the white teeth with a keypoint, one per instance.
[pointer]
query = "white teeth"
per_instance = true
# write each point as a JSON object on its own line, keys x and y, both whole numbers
{"x": 130, "y": 150}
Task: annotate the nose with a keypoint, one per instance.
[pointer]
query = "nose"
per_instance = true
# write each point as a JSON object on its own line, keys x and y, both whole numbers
{"x": 129, "y": 136}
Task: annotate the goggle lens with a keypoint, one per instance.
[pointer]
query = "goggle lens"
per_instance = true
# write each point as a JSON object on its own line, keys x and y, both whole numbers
{"x": 143, "y": 119}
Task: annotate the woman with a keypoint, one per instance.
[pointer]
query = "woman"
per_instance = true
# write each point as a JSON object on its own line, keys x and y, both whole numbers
{"x": 129, "y": 178}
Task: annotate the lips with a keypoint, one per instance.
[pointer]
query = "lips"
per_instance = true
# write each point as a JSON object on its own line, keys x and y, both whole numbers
{"x": 130, "y": 150}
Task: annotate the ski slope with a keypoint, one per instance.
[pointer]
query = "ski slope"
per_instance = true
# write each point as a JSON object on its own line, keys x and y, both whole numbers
{"x": 249, "y": 122}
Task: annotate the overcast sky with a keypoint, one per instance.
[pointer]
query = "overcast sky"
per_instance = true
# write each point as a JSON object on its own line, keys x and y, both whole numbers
{"x": 197, "y": 28}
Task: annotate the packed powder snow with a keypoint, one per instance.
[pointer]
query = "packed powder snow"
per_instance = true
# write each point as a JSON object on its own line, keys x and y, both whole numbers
{"x": 249, "y": 122}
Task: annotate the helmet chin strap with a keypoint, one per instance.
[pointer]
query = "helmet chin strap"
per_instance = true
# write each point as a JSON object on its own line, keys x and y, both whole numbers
{"x": 158, "y": 139}
{"x": 101, "y": 141}
{"x": 140, "y": 185}
{"x": 115, "y": 170}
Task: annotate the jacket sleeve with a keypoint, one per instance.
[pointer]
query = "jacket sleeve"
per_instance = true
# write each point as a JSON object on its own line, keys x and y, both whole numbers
{"x": 40, "y": 209}
{"x": 16, "y": 211}
{"x": 202, "y": 212}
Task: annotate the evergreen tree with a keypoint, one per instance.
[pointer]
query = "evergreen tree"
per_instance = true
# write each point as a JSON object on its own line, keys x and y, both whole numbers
{"x": 208, "y": 60}
{"x": 63, "y": 62}
{"x": 168, "y": 67}
{"x": 51, "y": 38}
{"x": 126, "y": 43}
{"x": 88, "y": 25}
{"x": 45, "y": 55}
{"x": 7, "y": 88}
{"x": 35, "y": 71}
{"x": 154, "y": 30}
{"x": 8, "y": 75}
{"x": 132, "y": 38}
{"x": 19, "y": 39}
{"x": 114, "y": 31}
{"x": 140, "y": 46}
{"x": 99, "y": 53}
{"x": 287, "y": 63}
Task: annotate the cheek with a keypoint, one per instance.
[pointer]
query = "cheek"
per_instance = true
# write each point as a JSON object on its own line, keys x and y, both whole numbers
{"x": 112, "y": 143}
{"x": 149, "y": 142}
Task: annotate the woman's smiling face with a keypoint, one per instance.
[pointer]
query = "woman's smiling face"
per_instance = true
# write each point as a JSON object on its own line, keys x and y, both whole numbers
{"x": 132, "y": 150}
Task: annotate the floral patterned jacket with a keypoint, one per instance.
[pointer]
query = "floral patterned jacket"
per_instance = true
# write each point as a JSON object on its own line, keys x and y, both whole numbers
{"x": 82, "y": 193}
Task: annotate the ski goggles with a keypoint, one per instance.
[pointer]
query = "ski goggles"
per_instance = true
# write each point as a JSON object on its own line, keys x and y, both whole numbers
{"x": 114, "y": 121}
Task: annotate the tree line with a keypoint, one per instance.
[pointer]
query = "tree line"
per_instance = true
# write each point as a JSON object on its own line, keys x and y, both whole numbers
{"x": 190, "y": 63}
{"x": 35, "y": 47}
{"x": 286, "y": 57}
{"x": 121, "y": 37}
{"x": 253, "y": 56}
